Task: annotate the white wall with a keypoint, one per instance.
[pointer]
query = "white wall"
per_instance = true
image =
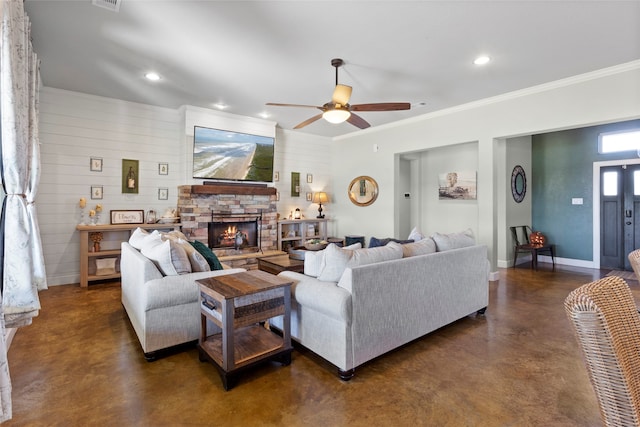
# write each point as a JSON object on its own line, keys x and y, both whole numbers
{"x": 75, "y": 127}
{"x": 604, "y": 96}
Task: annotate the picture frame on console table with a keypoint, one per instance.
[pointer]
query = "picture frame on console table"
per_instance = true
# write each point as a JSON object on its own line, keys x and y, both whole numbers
{"x": 127, "y": 217}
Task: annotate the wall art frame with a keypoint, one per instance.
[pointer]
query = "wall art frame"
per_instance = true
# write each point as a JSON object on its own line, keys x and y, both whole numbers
{"x": 96, "y": 192}
{"x": 295, "y": 184}
{"x": 132, "y": 216}
{"x": 163, "y": 194}
{"x": 130, "y": 176}
{"x": 458, "y": 185}
{"x": 95, "y": 164}
{"x": 163, "y": 168}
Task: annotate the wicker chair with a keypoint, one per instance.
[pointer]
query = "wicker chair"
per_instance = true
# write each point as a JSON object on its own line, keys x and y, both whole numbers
{"x": 607, "y": 325}
{"x": 634, "y": 260}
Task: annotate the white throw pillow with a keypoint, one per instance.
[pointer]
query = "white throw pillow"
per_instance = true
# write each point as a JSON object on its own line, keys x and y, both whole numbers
{"x": 422, "y": 247}
{"x": 137, "y": 237}
{"x": 445, "y": 242}
{"x": 197, "y": 261}
{"x": 390, "y": 251}
{"x": 313, "y": 260}
{"x": 169, "y": 256}
{"x": 334, "y": 262}
{"x": 416, "y": 235}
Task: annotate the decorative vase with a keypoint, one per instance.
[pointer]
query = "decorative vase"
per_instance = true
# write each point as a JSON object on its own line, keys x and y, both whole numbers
{"x": 96, "y": 246}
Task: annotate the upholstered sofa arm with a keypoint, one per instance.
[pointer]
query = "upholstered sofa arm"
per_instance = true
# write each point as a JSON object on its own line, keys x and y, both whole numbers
{"x": 175, "y": 290}
{"x": 324, "y": 297}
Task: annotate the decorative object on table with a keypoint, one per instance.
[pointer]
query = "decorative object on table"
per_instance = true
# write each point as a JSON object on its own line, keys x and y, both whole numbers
{"x": 82, "y": 205}
{"x": 105, "y": 266}
{"x": 169, "y": 216}
{"x": 518, "y": 184}
{"x": 98, "y": 210}
{"x": 96, "y": 192}
{"x": 151, "y": 217}
{"x": 163, "y": 168}
{"x": 320, "y": 197}
{"x": 295, "y": 184}
{"x": 130, "y": 178}
{"x": 363, "y": 190}
{"x": 96, "y": 238}
{"x": 163, "y": 194}
{"x": 457, "y": 186}
{"x": 309, "y": 178}
{"x": 127, "y": 217}
{"x": 297, "y": 214}
{"x": 297, "y": 252}
{"x": 92, "y": 217}
{"x": 315, "y": 244}
{"x": 95, "y": 164}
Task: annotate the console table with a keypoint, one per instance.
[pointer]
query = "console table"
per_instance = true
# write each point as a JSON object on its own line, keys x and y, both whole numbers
{"x": 88, "y": 259}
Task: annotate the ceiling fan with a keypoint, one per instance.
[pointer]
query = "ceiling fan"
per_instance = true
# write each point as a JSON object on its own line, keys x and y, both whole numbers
{"x": 339, "y": 109}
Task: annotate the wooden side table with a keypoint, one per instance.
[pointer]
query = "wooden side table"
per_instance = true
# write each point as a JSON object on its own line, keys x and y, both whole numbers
{"x": 236, "y": 304}
{"x": 280, "y": 263}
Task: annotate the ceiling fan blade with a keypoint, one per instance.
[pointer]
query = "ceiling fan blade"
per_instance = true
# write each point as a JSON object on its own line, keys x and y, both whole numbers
{"x": 382, "y": 106}
{"x": 308, "y": 121}
{"x": 358, "y": 121}
{"x": 341, "y": 94}
{"x": 293, "y": 105}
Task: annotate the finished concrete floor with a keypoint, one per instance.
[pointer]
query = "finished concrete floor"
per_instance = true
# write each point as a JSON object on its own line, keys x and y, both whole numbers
{"x": 80, "y": 364}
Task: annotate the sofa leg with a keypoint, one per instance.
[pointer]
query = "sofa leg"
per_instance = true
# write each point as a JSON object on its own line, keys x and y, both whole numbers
{"x": 346, "y": 375}
{"x": 152, "y": 356}
{"x": 482, "y": 310}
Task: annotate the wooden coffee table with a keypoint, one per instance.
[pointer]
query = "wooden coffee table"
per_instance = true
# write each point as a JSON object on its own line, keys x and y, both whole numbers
{"x": 277, "y": 264}
{"x": 237, "y": 304}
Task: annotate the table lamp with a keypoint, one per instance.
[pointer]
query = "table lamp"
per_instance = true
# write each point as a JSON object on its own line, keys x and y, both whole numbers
{"x": 320, "y": 198}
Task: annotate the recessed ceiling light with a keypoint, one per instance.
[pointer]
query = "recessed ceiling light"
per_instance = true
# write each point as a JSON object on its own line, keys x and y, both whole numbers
{"x": 152, "y": 76}
{"x": 482, "y": 60}
{"x": 220, "y": 106}
{"x": 264, "y": 115}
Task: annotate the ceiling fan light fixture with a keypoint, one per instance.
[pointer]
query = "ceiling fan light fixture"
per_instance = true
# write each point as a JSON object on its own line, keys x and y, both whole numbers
{"x": 336, "y": 116}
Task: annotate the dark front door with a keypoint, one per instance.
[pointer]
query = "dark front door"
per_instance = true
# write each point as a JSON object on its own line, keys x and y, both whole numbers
{"x": 619, "y": 214}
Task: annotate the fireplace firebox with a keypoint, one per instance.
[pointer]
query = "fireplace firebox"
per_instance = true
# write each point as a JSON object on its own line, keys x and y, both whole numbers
{"x": 234, "y": 233}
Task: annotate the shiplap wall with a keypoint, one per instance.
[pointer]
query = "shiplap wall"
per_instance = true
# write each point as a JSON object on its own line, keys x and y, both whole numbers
{"x": 75, "y": 127}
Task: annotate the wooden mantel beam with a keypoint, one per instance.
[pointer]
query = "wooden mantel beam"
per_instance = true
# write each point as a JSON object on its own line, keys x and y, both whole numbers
{"x": 229, "y": 188}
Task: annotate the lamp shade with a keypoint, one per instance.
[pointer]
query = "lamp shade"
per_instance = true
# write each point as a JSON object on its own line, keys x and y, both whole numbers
{"x": 320, "y": 197}
{"x": 336, "y": 115}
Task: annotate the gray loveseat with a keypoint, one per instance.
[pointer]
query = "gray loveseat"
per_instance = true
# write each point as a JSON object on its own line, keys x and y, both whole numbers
{"x": 377, "y": 307}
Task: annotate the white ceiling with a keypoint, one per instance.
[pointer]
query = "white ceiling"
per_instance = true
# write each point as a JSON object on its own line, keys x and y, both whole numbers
{"x": 247, "y": 53}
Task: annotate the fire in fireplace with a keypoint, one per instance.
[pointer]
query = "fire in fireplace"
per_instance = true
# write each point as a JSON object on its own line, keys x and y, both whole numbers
{"x": 233, "y": 234}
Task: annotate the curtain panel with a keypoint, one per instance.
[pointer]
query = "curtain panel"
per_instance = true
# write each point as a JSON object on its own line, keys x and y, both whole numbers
{"x": 22, "y": 267}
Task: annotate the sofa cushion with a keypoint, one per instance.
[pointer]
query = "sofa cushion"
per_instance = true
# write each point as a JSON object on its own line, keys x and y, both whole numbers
{"x": 416, "y": 235}
{"x": 169, "y": 256}
{"x": 208, "y": 254}
{"x": 374, "y": 242}
{"x": 197, "y": 261}
{"x": 366, "y": 256}
{"x": 333, "y": 263}
{"x": 137, "y": 237}
{"x": 421, "y": 247}
{"x": 313, "y": 260}
{"x": 445, "y": 242}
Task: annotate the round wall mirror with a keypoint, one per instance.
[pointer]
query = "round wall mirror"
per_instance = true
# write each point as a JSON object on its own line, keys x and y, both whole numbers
{"x": 518, "y": 184}
{"x": 363, "y": 191}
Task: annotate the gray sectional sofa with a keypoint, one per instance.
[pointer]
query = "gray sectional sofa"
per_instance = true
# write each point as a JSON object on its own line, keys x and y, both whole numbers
{"x": 380, "y": 302}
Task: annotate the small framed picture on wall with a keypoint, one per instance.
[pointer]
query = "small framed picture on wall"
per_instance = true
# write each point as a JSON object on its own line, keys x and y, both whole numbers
{"x": 163, "y": 194}
{"x": 163, "y": 168}
{"x": 96, "y": 192}
{"x": 309, "y": 178}
{"x": 276, "y": 176}
{"x": 95, "y": 164}
{"x": 309, "y": 197}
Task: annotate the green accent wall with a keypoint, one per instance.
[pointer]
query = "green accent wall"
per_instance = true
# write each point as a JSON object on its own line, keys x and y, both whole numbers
{"x": 562, "y": 168}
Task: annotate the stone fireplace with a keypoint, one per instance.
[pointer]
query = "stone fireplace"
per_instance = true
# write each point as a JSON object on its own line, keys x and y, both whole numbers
{"x": 237, "y": 221}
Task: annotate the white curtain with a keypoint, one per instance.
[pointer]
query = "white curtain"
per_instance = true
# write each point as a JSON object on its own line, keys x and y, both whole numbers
{"x": 22, "y": 267}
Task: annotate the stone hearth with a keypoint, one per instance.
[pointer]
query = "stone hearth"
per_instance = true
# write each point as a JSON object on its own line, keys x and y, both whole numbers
{"x": 199, "y": 205}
